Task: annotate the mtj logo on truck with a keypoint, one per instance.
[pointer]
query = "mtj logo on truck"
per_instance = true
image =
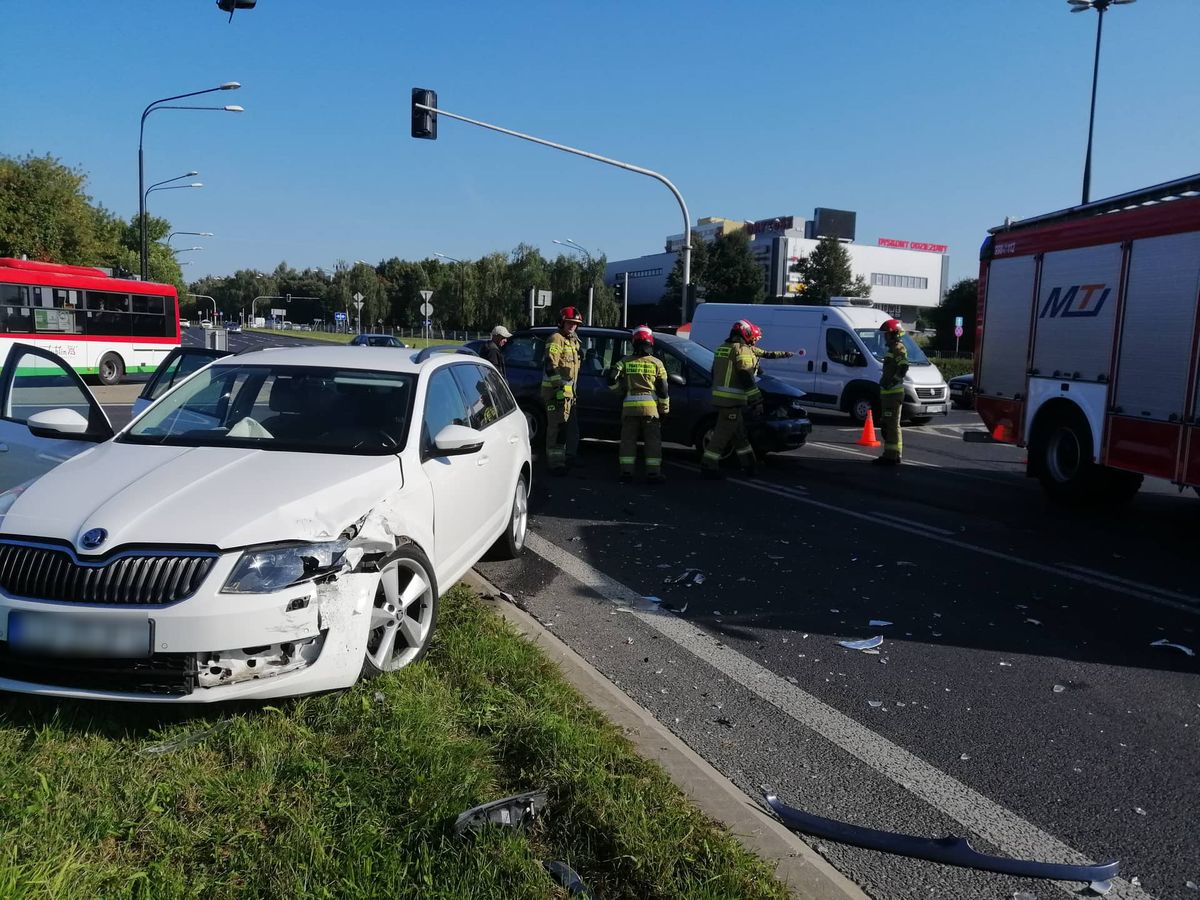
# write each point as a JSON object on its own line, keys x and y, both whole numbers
{"x": 1075, "y": 301}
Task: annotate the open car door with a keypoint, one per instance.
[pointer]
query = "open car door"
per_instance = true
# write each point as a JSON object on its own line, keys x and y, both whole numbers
{"x": 47, "y": 415}
{"x": 180, "y": 363}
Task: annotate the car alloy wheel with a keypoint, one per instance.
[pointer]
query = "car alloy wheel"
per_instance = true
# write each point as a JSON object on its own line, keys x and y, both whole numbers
{"x": 403, "y": 616}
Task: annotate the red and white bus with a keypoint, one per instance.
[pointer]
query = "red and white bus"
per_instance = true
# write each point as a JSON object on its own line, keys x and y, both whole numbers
{"x": 101, "y": 325}
{"x": 1088, "y": 341}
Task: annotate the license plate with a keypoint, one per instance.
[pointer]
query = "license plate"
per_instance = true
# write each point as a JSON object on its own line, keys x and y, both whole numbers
{"x": 936, "y": 408}
{"x": 60, "y": 634}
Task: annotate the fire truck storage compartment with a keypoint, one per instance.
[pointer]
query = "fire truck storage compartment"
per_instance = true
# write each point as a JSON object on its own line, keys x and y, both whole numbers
{"x": 1159, "y": 321}
{"x": 1006, "y": 326}
{"x": 1077, "y": 306}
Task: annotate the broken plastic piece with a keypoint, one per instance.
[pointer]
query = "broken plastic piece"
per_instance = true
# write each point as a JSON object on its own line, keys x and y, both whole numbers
{"x": 185, "y": 740}
{"x": 951, "y": 850}
{"x": 865, "y": 644}
{"x": 1101, "y": 887}
{"x": 879, "y": 623}
{"x": 568, "y": 878}
{"x": 512, "y": 812}
{"x": 1163, "y": 642}
{"x": 1058, "y": 689}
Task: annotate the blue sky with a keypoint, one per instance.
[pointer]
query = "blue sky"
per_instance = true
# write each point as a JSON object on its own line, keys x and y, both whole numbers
{"x": 932, "y": 119}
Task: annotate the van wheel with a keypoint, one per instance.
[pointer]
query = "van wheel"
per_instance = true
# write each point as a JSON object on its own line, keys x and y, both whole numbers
{"x": 111, "y": 369}
{"x": 860, "y": 405}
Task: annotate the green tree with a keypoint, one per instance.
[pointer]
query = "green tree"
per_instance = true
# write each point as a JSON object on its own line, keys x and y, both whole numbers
{"x": 45, "y": 214}
{"x": 826, "y": 273}
{"x": 961, "y": 300}
{"x": 732, "y": 274}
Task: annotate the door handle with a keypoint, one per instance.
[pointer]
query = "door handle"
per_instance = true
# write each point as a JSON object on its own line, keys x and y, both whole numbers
{"x": 512, "y": 439}
{"x": 483, "y": 461}
{"x": 824, "y": 367}
{"x": 810, "y": 365}
{"x": 3, "y": 448}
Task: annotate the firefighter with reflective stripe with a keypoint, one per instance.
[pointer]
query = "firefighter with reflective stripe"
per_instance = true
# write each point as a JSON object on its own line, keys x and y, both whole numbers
{"x": 558, "y": 391}
{"x": 735, "y": 392}
{"x": 642, "y": 378}
{"x": 891, "y": 393}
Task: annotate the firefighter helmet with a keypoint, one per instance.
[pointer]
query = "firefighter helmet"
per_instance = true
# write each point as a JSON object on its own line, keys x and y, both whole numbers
{"x": 892, "y": 326}
{"x": 570, "y": 314}
{"x": 643, "y": 335}
{"x": 746, "y": 330}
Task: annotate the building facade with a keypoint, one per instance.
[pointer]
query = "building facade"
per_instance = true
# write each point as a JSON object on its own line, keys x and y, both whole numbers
{"x": 906, "y": 277}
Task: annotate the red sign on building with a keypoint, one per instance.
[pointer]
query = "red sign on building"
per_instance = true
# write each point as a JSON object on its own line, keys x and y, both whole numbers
{"x": 912, "y": 245}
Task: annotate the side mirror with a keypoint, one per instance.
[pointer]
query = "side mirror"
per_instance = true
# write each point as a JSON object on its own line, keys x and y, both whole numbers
{"x": 58, "y": 423}
{"x": 676, "y": 378}
{"x": 457, "y": 440}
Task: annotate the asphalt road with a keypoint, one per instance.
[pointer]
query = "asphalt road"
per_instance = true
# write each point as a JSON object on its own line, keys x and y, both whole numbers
{"x": 1016, "y": 699}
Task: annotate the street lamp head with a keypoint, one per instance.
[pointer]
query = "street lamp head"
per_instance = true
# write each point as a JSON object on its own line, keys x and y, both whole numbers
{"x": 234, "y": 109}
{"x": 191, "y": 174}
{"x": 196, "y": 184}
{"x": 204, "y": 233}
{"x": 230, "y": 86}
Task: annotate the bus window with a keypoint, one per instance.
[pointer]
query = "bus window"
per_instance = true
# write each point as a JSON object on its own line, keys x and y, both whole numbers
{"x": 15, "y": 320}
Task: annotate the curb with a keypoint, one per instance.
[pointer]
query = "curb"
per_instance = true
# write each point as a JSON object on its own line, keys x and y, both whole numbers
{"x": 806, "y": 873}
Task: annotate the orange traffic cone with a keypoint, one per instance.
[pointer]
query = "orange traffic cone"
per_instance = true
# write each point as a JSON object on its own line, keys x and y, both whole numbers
{"x": 868, "y": 438}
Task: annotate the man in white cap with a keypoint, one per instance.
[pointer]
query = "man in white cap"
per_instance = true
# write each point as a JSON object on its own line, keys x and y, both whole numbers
{"x": 491, "y": 350}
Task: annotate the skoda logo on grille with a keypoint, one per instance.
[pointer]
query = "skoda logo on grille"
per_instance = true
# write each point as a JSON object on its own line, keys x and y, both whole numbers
{"x": 93, "y": 538}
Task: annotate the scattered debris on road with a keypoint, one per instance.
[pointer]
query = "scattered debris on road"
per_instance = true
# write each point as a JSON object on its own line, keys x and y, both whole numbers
{"x": 879, "y": 623}
{"x": 516, "y": 811}
{"x": 1163, "y": 642}
{"x": 865, "y": 644}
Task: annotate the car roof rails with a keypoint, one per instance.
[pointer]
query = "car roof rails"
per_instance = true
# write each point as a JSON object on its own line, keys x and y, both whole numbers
{"x": 443, "y": 348}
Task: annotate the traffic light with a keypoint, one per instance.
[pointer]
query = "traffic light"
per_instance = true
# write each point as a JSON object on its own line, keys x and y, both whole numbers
{"x": 619, "y": 290}
{"x": 424, "y": 122}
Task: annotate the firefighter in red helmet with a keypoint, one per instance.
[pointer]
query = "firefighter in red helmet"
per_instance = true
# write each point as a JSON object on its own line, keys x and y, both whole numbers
{"x": 643, "y": 379}
{"x": 558, "y": 391}
{"x": 891, "y": 392}
{"x": 735, "y": 392}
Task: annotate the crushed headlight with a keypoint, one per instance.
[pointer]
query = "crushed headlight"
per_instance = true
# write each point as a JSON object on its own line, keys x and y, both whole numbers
{"x": 268, "y": 569}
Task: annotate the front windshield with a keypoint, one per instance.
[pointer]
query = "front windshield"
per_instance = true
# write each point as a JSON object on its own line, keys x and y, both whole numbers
{"x": 697, "y": 354}
{"x": 285, "y": 408}
{"x": 873, "y": 339}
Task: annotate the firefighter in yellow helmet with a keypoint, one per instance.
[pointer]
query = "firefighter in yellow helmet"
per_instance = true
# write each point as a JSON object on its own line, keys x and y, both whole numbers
{"x": 734, "y": 392}
{"x": 891, "y": 393}
{"x": 561, "y": 371}
{"x": 643, "y": 379}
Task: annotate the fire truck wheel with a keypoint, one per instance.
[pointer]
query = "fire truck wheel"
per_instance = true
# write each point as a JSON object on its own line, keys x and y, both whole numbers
{"x": 1062, "y": 452}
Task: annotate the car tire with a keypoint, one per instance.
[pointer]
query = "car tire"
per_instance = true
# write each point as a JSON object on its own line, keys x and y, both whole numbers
{"x": 510, "y": 544}
{"x": 535, "y": 418}
{"x": 1061, "y": 451}
{"x": 404, "y": 613}
{"x": 111, "y": 369}
{"x": 858, "y": 406}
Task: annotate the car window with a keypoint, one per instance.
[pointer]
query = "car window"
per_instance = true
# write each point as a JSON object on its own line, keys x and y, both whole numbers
{"x": 40, "y": 384}
{"x": 674, "y": 365}
{"x": 443, "y": 406}
{"x": 505, "y": 402}
{"x": 525, "y": 351}
{"x": 482, "y": 410}
{"x": 602, "y": 352}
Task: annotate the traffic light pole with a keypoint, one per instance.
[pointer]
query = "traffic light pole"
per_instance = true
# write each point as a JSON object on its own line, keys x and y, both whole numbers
{"x": 625, "y": 297}
{"x": 629, "y": 167}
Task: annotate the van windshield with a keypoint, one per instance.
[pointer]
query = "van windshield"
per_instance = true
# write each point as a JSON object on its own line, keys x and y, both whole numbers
{"x": 872, "y": 338}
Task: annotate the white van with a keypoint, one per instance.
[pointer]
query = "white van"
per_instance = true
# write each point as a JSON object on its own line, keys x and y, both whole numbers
{"x": 843, "y": 351}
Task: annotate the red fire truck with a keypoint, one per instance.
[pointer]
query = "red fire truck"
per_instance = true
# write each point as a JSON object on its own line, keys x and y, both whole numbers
{"x": 1088, "y": 340}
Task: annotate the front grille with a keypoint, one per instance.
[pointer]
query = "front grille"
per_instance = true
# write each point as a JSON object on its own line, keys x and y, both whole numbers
{"x": 164, "y": 674}
{"x": 40, "y": 572}
{"x": 929, "y": 393}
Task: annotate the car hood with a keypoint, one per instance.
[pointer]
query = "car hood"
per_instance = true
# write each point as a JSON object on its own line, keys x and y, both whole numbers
{"x": 769, "y": 384}
{"x": 211, "y": 496}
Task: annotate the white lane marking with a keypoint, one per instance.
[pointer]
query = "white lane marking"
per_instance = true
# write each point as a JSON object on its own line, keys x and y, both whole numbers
{"x": 909, "y": 461}
{"x": 1136, "y": 589}
{"x": 975, "y": 812}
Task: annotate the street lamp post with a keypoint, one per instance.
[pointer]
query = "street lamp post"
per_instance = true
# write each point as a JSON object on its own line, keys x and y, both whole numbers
{"x": 571, "y": 245}
{"x": 206, "y": 297}
{"x": 462, "y": 287}
{"x": 194, "y": 233}
{"x": 227, "y": 86}
{"x": 1100, "y": 6}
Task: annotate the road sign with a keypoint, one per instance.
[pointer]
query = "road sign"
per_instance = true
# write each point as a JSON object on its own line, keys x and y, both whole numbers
{"x": 279, "y": 313}
{"x": 428, "y": 323}
{"x": 958, "y": 321}
{"x": 958, "y": 331}
{"x": 425, "y": 295}
{"x": 427, "y": 309}
{"x": 339, "y": 316}
{"x": 544, "y": 298}
{"x": 358, "y": 298}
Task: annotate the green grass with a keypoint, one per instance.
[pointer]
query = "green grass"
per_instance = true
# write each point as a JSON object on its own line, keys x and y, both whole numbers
{"x": 952, "y": 367}
{"x": 353, "y": 794}
{"x": 340, "y": 338}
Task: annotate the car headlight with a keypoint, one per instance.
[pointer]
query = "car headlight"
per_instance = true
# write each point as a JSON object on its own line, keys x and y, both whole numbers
{"x": 268, "y": 569}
